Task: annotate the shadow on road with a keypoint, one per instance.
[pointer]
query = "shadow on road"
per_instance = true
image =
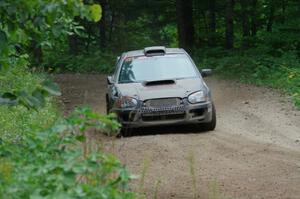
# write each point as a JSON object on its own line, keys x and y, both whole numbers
{"x": 182, "y": 129}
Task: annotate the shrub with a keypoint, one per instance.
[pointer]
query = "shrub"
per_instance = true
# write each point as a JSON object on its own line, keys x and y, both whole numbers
{"x": 256, "y": 66}
{"x": 50, "y": 164}
{"x": 17, "y": 121}
{"x": 97, "y": 61}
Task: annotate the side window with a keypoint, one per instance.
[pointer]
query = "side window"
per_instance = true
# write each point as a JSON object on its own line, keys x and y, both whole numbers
{"x": 118, "y": 65}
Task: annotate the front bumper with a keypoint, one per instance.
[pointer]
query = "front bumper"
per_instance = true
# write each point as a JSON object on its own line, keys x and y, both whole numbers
{"x": 185, "y": 114}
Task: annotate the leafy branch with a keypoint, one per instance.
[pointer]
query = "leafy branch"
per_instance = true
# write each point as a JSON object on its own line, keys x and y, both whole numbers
{"x": 34, "y": 100}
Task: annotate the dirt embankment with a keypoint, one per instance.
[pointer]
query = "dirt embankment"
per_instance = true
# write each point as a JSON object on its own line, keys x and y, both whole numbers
{"x": 253, "y": 153}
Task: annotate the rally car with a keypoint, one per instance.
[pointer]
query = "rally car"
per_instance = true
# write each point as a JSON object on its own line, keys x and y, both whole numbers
{"x": 160, "y": 86}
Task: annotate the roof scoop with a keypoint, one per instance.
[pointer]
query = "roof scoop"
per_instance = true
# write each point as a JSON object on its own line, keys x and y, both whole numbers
{"x": 159, "y": 82}
{"x": 155, "y": 51}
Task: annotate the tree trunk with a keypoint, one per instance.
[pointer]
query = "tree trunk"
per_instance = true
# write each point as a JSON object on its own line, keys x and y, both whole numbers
{"x": 185, "y": 23}
{"x": 254, "y": 18}
{"x": 229, "y": 24}
{"x": 206, "y": 26}
{"x": 112, "y": 24}
{"x": 245, "y": 22}
{"x": 271, "y": 16}
{"x": 283, "y": 8}
{"x": 212, "y": 23}
{"x": 102, "y": 24}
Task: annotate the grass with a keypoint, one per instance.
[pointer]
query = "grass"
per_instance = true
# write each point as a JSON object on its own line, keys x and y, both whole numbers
{"x": 191, "y": 161}
{"x": 146, "y": 165}
{"x": 157, "y": 185}
{"x": 17, "y": 121}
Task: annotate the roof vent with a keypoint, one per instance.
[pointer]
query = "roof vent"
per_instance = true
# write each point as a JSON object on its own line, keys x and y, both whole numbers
{"x": 155, "y": 50}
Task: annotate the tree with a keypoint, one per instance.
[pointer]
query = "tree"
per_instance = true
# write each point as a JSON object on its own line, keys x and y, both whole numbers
{"x": 270, "y": 15}
{"x": 212, "y": 23}
{"x": 26, "y": 27}
{"x": 102, "y": 24}
{"x": 185, "y": 23}
{"x": 254, "y": 17}
{"x": 245, "y": 22}
{"x": 229, "y": 35}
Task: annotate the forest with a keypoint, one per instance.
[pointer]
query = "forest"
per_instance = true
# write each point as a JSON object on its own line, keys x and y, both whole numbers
{"x": 251, "y": 41}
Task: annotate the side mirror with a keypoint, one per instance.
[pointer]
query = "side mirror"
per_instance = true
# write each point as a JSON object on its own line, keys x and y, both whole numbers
{"x": 110, "y": 80}
{"x": 206, "y": 72}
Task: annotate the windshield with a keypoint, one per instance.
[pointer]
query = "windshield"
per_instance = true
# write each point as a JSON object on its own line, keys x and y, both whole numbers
{"x": 139, "y": 69}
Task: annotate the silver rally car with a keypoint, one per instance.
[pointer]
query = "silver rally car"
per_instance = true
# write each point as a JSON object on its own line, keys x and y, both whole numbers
{"x": 160, "y": 86}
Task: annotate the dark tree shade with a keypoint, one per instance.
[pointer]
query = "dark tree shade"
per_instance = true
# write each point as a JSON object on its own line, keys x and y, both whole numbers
{"x": 271, "y": 16}
{"x": 73, "y": 44}
{"x": 102, "y": 24}
{"x": 229, "y": 24}
{"x": 134, "y": 24}
{"x": 212, "y": 22}
{"x": 254, "y": 17}
{"x": 245, "y": 22}
{"x": 186, "y": 30}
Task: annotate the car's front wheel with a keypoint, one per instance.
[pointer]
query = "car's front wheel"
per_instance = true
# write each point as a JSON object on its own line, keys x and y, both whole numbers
{"x": 125, "y": 132}
{"x": 107, "y": 105}
{"x": 210, "y": 126}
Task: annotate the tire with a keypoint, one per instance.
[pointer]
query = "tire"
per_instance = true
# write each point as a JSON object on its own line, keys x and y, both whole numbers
{"x": 107, "y": 105}
{"x": 125, "y": 132}
{"x": 210, "y": 126}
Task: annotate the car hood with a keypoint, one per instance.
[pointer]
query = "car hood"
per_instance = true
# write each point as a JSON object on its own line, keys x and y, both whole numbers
{"x": 182, "y": 88}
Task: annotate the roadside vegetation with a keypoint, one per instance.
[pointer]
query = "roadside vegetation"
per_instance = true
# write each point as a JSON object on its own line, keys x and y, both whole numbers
{"x": 43, "y": 154}
{"x": 261, "y": 69}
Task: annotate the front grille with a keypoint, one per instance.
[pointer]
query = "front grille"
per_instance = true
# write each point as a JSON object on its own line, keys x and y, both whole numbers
{"x": 165, "y": 102}
{"x": 163, "y": 113}
{"x": 163, "y": 117}
{"x": 163, "y": 110}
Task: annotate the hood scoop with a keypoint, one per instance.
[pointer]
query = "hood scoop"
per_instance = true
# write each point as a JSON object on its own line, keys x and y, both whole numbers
{"x": 159, "y": 82}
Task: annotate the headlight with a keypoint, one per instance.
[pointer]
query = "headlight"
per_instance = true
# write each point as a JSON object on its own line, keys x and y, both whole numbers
{"x": 126, "y": 102}
{"x": 197, "y": 97}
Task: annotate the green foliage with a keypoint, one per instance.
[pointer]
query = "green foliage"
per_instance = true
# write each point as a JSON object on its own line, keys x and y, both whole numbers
{"x": 256, "y": 66}
{"x": 39, "y": 163}
{"x": 169, "y": 35}
{"x": 50, "y": 164}
{"x": 95, "y": 61}
{"x": 34, "y": 100}
{"x": 26, "y": 27}
{"x": 96, "y": 12}
{"x": 85, "y": 118}
{"x": 17, "y": 121}
{"x": 27, "y": 21}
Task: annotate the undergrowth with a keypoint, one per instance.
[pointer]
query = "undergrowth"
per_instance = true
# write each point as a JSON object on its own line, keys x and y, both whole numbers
{"x": 92, "y": 62}
{"x": 256, "y": 67}
{"x": 55, "y": 162}
{"x": 43, "y": 155}
{"x": 17, "y": 121}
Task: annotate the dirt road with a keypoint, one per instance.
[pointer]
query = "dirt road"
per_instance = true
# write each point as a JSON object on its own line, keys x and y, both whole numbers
{"x": 253, "y": 153}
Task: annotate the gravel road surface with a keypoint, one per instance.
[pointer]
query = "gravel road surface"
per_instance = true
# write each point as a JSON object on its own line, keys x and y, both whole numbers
{"x": 253, "y": 153}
